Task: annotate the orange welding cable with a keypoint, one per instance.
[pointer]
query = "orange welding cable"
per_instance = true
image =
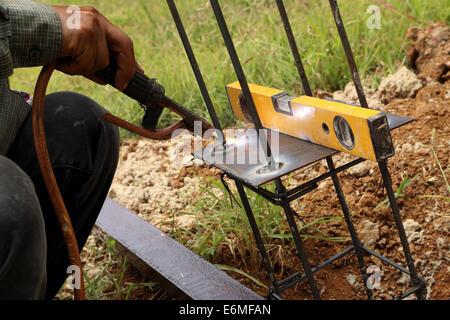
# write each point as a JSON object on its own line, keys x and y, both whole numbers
{"x": 49, "y": 177}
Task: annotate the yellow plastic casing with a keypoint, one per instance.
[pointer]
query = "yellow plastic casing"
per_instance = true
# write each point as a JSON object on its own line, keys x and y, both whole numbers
{"x": 309, "y": 116}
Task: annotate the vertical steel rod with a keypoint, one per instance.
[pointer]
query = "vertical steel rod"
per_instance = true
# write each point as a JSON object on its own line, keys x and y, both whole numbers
{"x": 348, "y": 53}
{"x": 194, "y": 65}
{"x": 350, "y": 226}
{"x": 294, "y": 48}
{"x": 387, "y": 181}
{"x": 256, "y": 233}
{"x": 243, "y": 81}
{"x": 289, "y": 212}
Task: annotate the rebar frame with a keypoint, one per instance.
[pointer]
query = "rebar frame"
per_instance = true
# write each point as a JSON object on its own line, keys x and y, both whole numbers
{"x": 283, "y": 197}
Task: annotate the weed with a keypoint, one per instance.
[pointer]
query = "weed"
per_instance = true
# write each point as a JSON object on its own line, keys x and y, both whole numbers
{"x": 399, "y": 193}
{"x": 221, "y": 223}
{"x": 228, "y": 268}
{"x": 432, "y": 147}
{"x": 108, "y": 282}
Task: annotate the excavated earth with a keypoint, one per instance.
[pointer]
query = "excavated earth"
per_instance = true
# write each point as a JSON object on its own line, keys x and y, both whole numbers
{"x": 159, "y": 186}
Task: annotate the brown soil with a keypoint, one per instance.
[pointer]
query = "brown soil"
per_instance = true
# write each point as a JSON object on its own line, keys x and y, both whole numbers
{"x": 160, "y": 190}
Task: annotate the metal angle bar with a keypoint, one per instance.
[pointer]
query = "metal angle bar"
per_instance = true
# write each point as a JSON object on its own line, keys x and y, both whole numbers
{"x": 297, "y": 277}
{"x": 195, "y": 68}
{"x": 294, "y": 48}
{"x": 242, "y": 80}
{"x": 350, "y": 226}
{"x": 163, "y": 259}
{"x": 348, "y": 53}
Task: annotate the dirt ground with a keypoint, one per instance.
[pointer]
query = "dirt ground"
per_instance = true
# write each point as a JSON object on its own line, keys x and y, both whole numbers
{"x": 154, "y": 186}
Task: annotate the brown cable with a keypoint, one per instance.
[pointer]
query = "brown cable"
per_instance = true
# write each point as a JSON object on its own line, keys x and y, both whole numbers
{"x": 47, "y": 170}
{"x": 49, "y": 177}
{"x": 157, "y": 134}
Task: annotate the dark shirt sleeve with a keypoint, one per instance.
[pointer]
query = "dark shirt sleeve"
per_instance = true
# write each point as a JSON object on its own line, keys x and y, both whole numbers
{"x": 35, "y": 33}
{"x": 30, "y": 35}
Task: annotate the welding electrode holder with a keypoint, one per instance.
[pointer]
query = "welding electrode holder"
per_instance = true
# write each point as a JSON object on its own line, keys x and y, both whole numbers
{"x": 150, "y": 95}
{"x": 145, "y": 90}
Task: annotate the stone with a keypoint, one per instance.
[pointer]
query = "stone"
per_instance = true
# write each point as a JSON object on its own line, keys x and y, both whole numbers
{"x": 440, "y": 242}
{"x": 369, "y": 232}
{"x": 417, "y": 237}
{"x": 402, "y": 84}
{"x": 420, "y": 149}
{"x": 351, "y": 278}
{"x": 360, "y": 170}
{"x": 411, "y": 226}
{"x": 404, "y": 280}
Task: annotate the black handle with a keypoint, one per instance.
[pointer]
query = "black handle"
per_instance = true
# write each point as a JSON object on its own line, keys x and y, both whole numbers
{"x": 141, "y": 88}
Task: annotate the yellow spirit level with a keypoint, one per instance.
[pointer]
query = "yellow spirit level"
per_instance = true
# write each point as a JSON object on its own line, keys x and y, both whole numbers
{"x": 358, "y": 131}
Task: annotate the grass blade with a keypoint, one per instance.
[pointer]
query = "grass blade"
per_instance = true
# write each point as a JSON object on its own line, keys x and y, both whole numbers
{"x": 228, "y": 268}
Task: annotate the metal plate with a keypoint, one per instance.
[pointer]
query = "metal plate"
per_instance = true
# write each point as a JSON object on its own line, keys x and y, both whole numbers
{"x": 293, "y": 154}
{"x": 175, "y": 267}
{"x": 395, "y": 121}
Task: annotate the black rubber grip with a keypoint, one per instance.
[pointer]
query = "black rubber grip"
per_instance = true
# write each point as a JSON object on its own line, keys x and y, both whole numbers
{"x": 141, "y": 88}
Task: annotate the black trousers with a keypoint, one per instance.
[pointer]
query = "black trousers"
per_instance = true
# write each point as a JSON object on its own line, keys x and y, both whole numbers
{"x": 84, "y": 151}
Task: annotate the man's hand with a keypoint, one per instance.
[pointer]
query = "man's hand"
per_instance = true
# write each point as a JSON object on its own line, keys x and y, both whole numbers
{"x": 86, "y": 48}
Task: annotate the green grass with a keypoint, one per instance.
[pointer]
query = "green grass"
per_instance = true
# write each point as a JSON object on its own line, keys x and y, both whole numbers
{"x": 261, "y": 44}
{"x": 109, "y": 283}
{"x": 399, "y": 193}
{"x": 222, "y": 223}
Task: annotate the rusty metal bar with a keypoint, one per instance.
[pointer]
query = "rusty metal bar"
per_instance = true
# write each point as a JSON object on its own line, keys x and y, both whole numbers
{"x": 348, "y": 53}
{"x": 416, "y": 280}
{"x": 350, "y": 226}
{"x": 195, "y": 68}
{"x": 243, "y": 81}
{"x": 294, "y": 48}
{"x": 257, "y": 235}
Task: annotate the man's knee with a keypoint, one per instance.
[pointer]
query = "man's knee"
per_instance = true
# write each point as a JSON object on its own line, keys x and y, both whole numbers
{"x": 80, "y": 120}
{"x": 18, "y": 199}
{"x": 22, "y": 235}
{"x": 82, "y": 111}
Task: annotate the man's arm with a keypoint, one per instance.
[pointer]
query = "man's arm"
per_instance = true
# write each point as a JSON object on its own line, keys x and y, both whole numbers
{"x": 90, "y": 45}
{"x": 33, "y": 33}
{"x": 39, "y": 33}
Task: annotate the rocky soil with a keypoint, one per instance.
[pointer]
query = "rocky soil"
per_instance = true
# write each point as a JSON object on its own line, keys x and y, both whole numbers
{"x": 156, "y": 183}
